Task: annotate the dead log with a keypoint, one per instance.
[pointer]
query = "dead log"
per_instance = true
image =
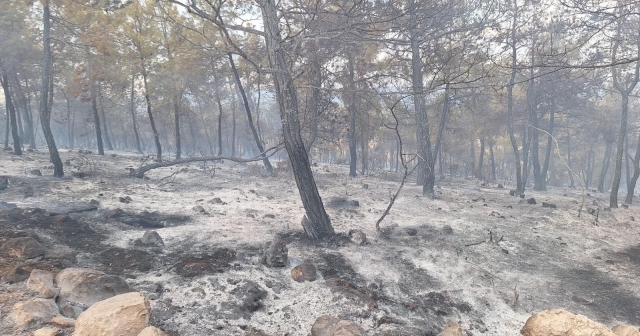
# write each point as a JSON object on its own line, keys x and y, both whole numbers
{"x": 139, "y": 173}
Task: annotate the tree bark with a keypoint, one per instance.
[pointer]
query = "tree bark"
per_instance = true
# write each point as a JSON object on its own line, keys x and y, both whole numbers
{"x": 17, "y": 146}
{"x": 479, "y": 174}
{"x": 96, "y": 120}
{"x": 520, "y": 186}
{"x": 547, "y": 154}
{"x": 443, "y": 119}
{"x": 571, "y": 179}
{"x": 613, "y": 199}
{"x": 352, "y": 116}
{"x": 176, "y": 119}
{"x": 605, "y": 166}
{"x": 133, "y": 114}
{"x": 247, "y": 108}
{"x": 156, "y": 135}
{"x": 26, "y": 114}
{"x": 217, "y": 96}
{"x": 493, "y": 162}
{"x": 104, "y": 118}
{"x": 45, "y": 106}
{"x": 316, "y": 223}
{"x": 315, "y": 102}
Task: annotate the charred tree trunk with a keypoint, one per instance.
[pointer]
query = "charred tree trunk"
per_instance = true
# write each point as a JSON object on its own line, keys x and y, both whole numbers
{"x": 11, "y": 111}
{"x": 547, "y": 154}
{"x": 217, "y": 96}
{"x": 26, "y": 113}
{"x": 631, "y": 185}
{"x": 605, "y": 166}
{"x": 96, "y": 120}
{"x": 176, "y": 119}
{"x": 493, "y": 162}
{"x": 247, "y": 108}
{"x": 105, "y": 128}
{"x": 316, "y": 223}
{"x": 572, "y": 185}
{"x": 520, "y": 185}
{"x": 133, "y": 115}
{"x": 352, "y": 116}
{"x": 479, "y": 174}
{"x": 443, "y": 119}
{"x": 315, "y": 103}
{"x": 45, "y": 106}
{"x": 147, "y": 98}
{"x": 615, "y": 186}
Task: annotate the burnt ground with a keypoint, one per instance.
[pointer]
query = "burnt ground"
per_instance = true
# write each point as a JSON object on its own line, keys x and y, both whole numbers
{"x": 474, "y": 255}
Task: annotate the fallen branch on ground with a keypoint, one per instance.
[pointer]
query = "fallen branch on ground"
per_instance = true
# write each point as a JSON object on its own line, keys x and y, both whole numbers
{"x": 139, "y": 173}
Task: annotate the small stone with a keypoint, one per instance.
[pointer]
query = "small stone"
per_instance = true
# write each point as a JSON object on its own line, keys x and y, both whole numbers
{"x": 447, "y": 229}
{"x": 327, "y": 325}
{"x": 151, "y": 239}
{"x": 365, "y": 186}
{"x": 355, "y": 203}
{"x": 125, "y": 199}
{"x": 79, "y": 174}
{"x": 411, "y": 231}
{"x": 35, "y": 172}
{"x": 48, "y": 331}
{"x": 216, "y": 200}
{"x": 304, "y": 272}
{"x": 21, "y": 248}
{"x": 513, "y": 193}
{"x": 199, "y": 209}
{"x": 358, "y": 237}
{"x": 276, "y": 253}
{"x": 270, "y": 216}
{"x": 41, "y": 282}
{"x": 151, "y": 331}
{"x": 63, "y": 322}
{"x": 500, "y": 186}
{"x": 14, "y": 274}
{"x": 70, "y": 311}
{"x": 451, "y": 329}
{"x": 531, "y": 200}
{"x": 34, "y": 311}
{"x": 548, "y": 205}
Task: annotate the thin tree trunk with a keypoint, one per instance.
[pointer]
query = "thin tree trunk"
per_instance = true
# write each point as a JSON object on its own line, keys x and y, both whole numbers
{"x": 605, "y": 166}
{"x": 147, "y": 98}
{"x": 217, "y": 96}
{"x": 176, "y": 120}
{"x": 514, "y": 143}
{"x": 45, "y": 106}
{"x": 613, "y": 199}
{"x": 17, "y": 147}
{"x": 96, "y": 120}
{"x": 627, "y": 169}
{"x": 352, "y": 116}
{"x": 315, "y": 102}
{"x": 590, "y": 165}
{"x": 572, "y": 185}
{"x": 443, "y": 119}
{"x": 316, "y": 223}
{"x": 247, "y": 108}
{"x": 479, "y": 174}
{"x": 547, "y": 154}
{"x": 26, "y": 115}
{"x": 493, "y": 162}
{"x": 104, "y": 118}
{"x": 133, "y": 114}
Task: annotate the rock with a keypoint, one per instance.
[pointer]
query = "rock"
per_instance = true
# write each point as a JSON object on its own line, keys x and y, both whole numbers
{"x": 4, "y": 182}
{"x": 41, "y": 282}
{"x": 531, "y": 200}
{"x": 411, "y": 231}
{"x": 562, "y": 322}
{"x": 35, "y": 172}
{"x": 125, "y": 199}
{"x": 79, "y": 174}
{"x": 63, "y": 322}
{"x": 513, "y": 193}
{"x": 548, "y": 205}
{"x": 48, "y": 331}
{"x": 199, "y": 209}
{"x": 151, "y": 331}
{"x": 451, "y": 329}
{"x": 115, "y": 213}
{"x": 216, "y": 200}
{"x": 150, "y": 239}
{"x": 122, "y": 315}
{"x": 276, "y": 253}
{"x": 70, "y": 311}
{"x": 500, "y": 186}
{"x": 304, "y": 272}
{"x": 591, "y": 211}
{"x": 327, "y": 325}
{"x": 625, "y": 330}
{"x": 85, "y": 287}
{"x": 272, "y": 216}
{"x": 355, "y": 203}
{"x": 61, "y": 253}
{"x": 365, "y": 186}
{"x": 34, "y": 311}
{"x": 21, "y": 248}
{"x": 447, "y": 229}
{"x": 14, "y": 274}
{"x": 358, "y": 237}
{"x": 625, "y": 206}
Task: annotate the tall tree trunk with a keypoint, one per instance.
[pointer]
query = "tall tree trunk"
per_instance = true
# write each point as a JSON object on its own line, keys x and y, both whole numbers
{"x": 631, "y": 186}
{"x": 315, "y": 102}
{"x": 96, "y": 119}
{"x": 147, "y": 98}
{"x": 493, "y": 162}
{"x": 69, "y": 122}
{"x": 627, "y": 168}
{"x": 256, "y": 137}
{"x": 520, "y": 185}
{"x": 617, "y": 172}
{"x": 425, "y": 156}
{"x": 352, "y": 116}
{"x": 316, "y": 222}
{"x": 443, "y": 119}
{"x": 479, "y": 174}
{"x": 176, "y": 120}
{"x": 472, "y": 157}
{"x": 605, "y": 166}
{"x": 45, "y": 106}
{"x": 7, "y": 126}
{"x": 590, "y": 165}
{"x": 572, "y": 185}
{"x": 547, "y": 154}
{"x": 26, "y": 114}
{"x": 217, "y": 96}
{"x": 107, "y": 139}
{"x": 17, "y": 147}
{"x": 132, "y": 109}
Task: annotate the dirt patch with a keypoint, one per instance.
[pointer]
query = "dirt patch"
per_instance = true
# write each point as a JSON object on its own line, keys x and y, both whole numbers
{"x": 217, "y": 262}
{"x": 118, "y": 260}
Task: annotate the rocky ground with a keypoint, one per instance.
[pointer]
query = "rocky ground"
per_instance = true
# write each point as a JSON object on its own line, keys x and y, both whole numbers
{"x": 475, "y": 255}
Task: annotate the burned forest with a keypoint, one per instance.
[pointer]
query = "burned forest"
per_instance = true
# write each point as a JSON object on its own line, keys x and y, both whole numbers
{"x": 319, "y": 168}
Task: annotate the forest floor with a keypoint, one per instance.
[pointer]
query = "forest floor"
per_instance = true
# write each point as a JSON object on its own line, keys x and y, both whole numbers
{"x": 433, "y": 261}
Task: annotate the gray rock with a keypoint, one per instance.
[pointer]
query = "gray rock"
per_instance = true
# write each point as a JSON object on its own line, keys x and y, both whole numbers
{"x": 276, "y": 253}
{"x": 41, "y": 282}
{"x": 21, "y": 248}
{"x": 34, "y": 311}
{"x": 84, "y": 287}
{"x": 358, "y": 237}
{"x": 150, "y": 239}
{"x": 7, "y": 206}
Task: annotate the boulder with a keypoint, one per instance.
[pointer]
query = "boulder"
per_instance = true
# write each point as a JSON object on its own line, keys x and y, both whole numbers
{"x": 151, "y": 331}
{"x": 563, "y": 323}
{"x": 41, "y": 282}
{"x": 21, "y": 248}
{"x": 85, "y": 287}
{"x": 358, "y": 237}
{"x": 327, "y": 325}
{"x": 304, "y": 272}
{"x": 71, "y": 311}
{"x": 34, "y": 311}
{"x": 276, "y": 253}
{"x": 625, "y": 330}
{"x": 451, "y": 329}
{"x": 63, "y": 322}
{"x": 122, "y": 315}
{"x": 150, "y": 239}
{"x": 531, "y": 200}
{"x": 48, "y": 331}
